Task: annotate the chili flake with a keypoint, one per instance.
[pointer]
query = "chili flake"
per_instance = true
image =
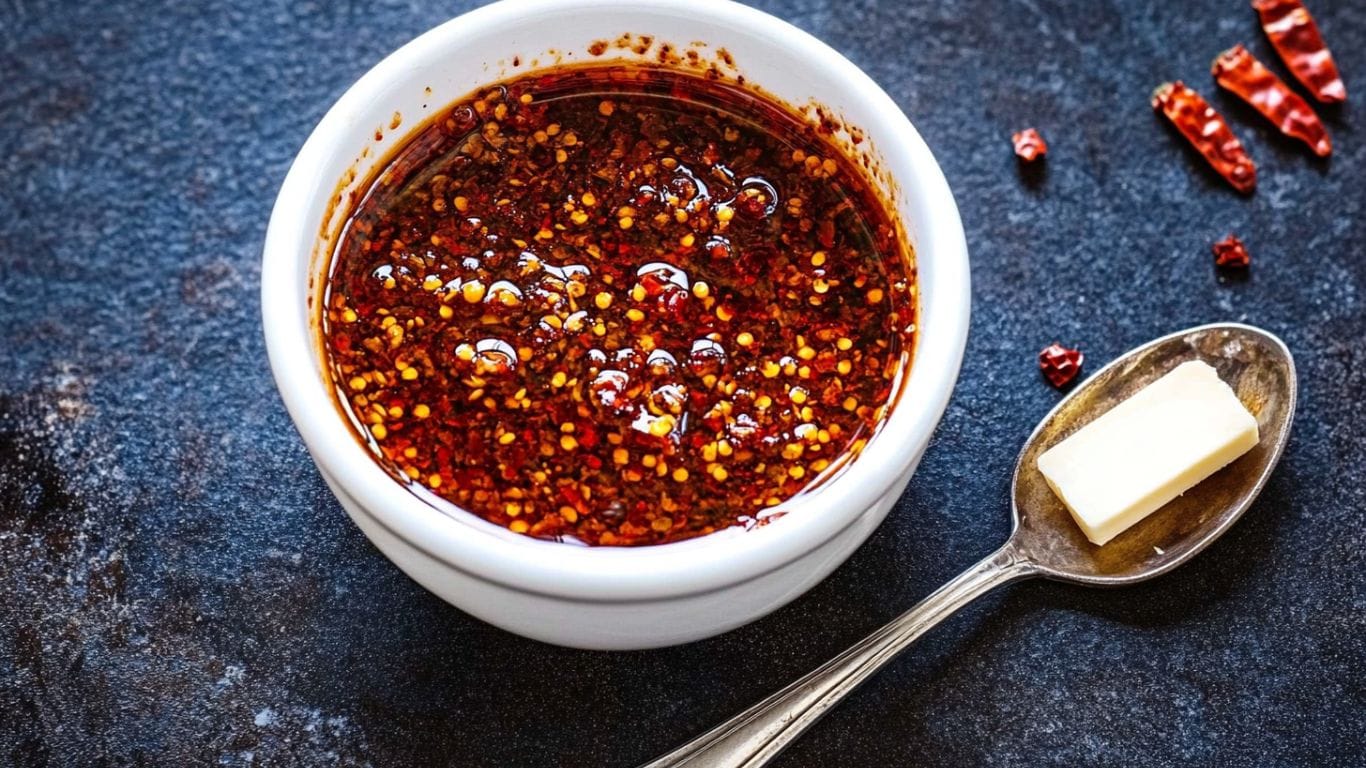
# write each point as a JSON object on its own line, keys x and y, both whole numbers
{"x": 1059, "y": 364}
{"x": 618, "y": 305}
{"x": 1029, "y": 145}
{"x": 1230, "y": 252}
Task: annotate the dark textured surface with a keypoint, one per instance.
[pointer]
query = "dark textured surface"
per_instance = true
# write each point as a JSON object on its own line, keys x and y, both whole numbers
{"x": 177, "y": 586}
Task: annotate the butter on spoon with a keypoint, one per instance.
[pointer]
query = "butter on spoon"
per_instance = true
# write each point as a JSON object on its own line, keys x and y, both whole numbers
{"x": 1149, "y": 449}
{"x": 1044, "y": 540}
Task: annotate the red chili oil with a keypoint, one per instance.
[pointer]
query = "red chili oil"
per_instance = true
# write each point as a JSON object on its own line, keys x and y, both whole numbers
{"x": 618, "y": 305}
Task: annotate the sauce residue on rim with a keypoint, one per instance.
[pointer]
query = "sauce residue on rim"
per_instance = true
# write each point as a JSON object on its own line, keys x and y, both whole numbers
{"x": 619, "y": 305}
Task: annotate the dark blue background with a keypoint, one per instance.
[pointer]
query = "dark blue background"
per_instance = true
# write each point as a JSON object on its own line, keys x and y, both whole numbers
{"x": 177, "y": 586}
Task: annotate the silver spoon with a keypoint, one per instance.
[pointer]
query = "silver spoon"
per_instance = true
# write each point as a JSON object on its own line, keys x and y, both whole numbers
{"x": 1044, "y": 540}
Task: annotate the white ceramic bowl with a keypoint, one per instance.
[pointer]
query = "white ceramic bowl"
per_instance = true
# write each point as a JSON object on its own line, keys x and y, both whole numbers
{"x": 607, "y": 598}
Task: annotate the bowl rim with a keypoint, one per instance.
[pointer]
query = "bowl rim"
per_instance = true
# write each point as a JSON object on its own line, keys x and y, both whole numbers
{"x": 618, "y": 574}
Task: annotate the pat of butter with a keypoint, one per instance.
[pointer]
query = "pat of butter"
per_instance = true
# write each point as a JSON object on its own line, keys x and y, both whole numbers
{"x": 1148, "y": 450}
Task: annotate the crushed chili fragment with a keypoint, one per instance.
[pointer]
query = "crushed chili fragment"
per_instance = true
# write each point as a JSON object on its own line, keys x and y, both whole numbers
{"x": 1059, "y": 364}
{"x": 618, "y": 305}
{"x": 1207, "y": 131}
{"x": 1296, "y": 37}
{"x": 1238, "y": 71}
{"x": 1029, "y": 145}
{"x": 1230, "y": 252}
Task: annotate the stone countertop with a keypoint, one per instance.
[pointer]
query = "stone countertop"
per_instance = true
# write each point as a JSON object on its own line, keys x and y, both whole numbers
{"x": 178, "y": 587}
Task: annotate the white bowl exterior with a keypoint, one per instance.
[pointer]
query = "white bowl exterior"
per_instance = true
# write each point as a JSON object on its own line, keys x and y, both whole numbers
{"x": 619, "y": 625}
{"x": 609, "y": 597}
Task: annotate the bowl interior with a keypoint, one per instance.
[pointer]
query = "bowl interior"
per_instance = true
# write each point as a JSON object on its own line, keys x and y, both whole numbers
{"x": 509, "y": 38}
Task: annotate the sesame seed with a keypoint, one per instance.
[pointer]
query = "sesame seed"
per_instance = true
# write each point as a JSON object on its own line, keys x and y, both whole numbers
{"x": 473, "y": 291}
{"x": 662, "y": 426}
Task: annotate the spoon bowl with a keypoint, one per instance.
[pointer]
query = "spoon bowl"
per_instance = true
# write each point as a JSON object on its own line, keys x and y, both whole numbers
{"x": 1045, "y": 541}
{"x": 1261, "y": 372}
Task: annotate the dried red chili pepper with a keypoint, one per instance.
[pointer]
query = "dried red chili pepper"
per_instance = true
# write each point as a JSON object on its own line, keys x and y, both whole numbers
{"x": 1059, "y": 364}
{"x": 1029, "y": 145}
{"x": 1239, "y": 72}
{"x": 1292, "y": 30}
{"x": 1230, "y": 252}
{"x": 1206, "y": 130}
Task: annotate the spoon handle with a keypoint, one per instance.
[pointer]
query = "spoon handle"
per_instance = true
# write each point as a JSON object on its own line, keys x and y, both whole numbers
{"x": 757, "y": 735}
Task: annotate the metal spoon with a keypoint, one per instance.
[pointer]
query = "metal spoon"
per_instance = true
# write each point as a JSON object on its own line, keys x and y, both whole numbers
{"x": 1044, "y": 539}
